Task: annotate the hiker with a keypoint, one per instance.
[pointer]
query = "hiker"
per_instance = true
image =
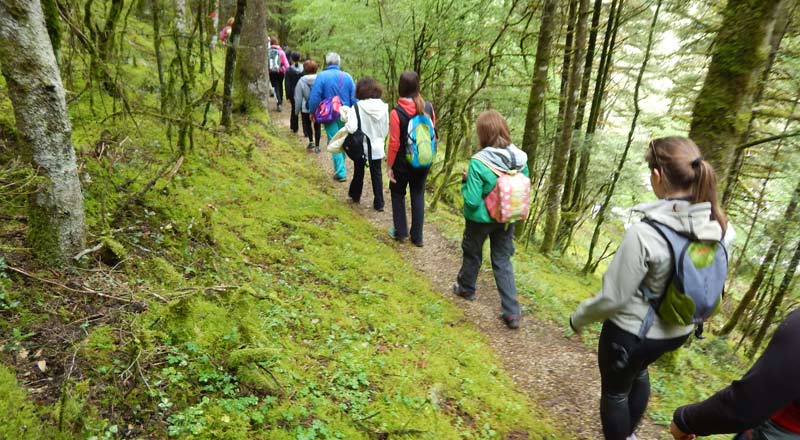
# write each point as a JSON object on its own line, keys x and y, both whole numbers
{"x": 226, "y": 31}
{"x": 333, "y": 87}
{"x": 293, "y": 74}
{"x": 405, "y": 169}
{"x": 374, "y": 119}
{"x": 497, "y": 156}
{"x": 301, "y": 94}
{"x": 277, "y": 64}
{"x": 763, "y": 404}
{"x": 633, "y": 336}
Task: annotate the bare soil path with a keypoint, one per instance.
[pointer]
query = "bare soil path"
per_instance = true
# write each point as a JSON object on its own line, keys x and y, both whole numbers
{"x": 557, "y": 372}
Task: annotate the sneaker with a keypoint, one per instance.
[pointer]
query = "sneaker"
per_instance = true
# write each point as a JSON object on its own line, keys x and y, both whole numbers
{"x": 279, "y": 108}
{"x": 511, "y": 321}
{"x": 316, "y": 150}
{"x": 379, "y": 209}
{"x": 395, "y": 237}
{"x": 458, "y": 291}
{"x": 340, "y": 179}
{"x": 632, "y": 437}
{"x": 310, "y": 146}
{"x": 417, "y": 243}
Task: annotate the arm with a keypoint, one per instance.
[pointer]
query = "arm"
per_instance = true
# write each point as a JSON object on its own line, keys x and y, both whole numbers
{"x": 620, "y": 282}
{"x": 394, "y": 137}
{"x": 298, "y": 96}
{"x": 472, "y": 188}
{"x": 316, "y": 95}
{"x": 772, "y": 383}
{"x": 525, "y": 171}
{"x": 284, "y": 60}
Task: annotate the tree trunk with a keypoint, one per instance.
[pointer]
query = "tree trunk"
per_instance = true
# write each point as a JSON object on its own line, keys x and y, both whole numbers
{"x": 561, "y": 149}
{"x": 567, "y": 203}
{"x": 781, "y": 26}
{"x": 252, "y": 77}
{"x": 55, "y": 221}
{"x": 569, "y": 45}
{"x": 755, "y": 284}
{"x": 230, "y": 64}
{"x": 181, "y": 17}
{"x": 162, "y": 87}
{"x": 603, "y": 69}
{"x": 53, "y": 23}
{"x": 723, "y": 107}
{"x": 777, "y": 300}
{"x": 589, "y": 266}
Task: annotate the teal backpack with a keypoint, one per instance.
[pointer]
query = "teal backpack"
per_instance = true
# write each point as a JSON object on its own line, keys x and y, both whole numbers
{"x": 696, "y": 284}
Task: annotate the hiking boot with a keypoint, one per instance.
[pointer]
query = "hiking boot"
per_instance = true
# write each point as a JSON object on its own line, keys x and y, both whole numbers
{"x": 417, "y": 243}
{"x": 458, "y": 291}
{"x": 393, "y": 234}
{"x": 511, "y": 321}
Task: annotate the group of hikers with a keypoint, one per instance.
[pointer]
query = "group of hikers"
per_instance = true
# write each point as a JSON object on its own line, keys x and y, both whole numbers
{"x": 664, "y": 281}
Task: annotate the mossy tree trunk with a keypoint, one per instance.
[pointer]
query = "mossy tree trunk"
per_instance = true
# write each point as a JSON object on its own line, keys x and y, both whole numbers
{"x": 252, "y": 76}
{"x": 723, "y": 107}
{"x": 230, "y": 64}
{"x": 555, "y": 184}
{"x": 56, "y": 218}
{"x": 53, "y": 23}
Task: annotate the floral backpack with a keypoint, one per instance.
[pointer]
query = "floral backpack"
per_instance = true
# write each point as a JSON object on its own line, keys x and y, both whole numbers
{"x": 510, "y": 199}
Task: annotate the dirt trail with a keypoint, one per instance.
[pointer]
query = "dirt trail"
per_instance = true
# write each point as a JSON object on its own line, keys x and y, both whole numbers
{"x": 558, "y": 373}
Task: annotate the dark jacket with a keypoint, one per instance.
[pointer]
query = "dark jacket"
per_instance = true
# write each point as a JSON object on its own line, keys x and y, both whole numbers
{"x": 293, "y": 74}
{"x": 770, "y": 390}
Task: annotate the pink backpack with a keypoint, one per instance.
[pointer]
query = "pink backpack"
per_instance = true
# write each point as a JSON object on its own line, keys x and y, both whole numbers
{"x": 223, "y": 34}
{"x": 510, "y": 199}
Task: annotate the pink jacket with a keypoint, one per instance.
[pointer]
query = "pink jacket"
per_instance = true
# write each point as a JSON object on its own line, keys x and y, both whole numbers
{"x": 284, "y": 60}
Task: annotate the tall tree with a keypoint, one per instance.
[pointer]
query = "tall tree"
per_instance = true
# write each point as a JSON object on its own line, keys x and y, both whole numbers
{"x": 533, "y": 119}
{"x": 56, "y": 221}
{"x": 789, "y": 217}
{"x": 561, "y": 150}
{"x": 723, "y": 107}
{"x": 230, "y": 64}
{"x": 252, "y": 78}
{"x": 601, "y": 213}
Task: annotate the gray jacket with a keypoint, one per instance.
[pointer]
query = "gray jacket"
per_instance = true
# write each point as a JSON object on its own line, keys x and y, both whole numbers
{"x": 643, "y": 256}
{"x": 301, "y": 93}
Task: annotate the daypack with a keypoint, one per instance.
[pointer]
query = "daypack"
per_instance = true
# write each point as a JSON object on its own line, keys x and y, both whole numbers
{"x": 328, "y": 110}
{"x": 223, "y": 34}
{"x": 510, "y": 199}
{"x": 420, "y": 146}
{"x": 695, "y": 285}
{"x": 274, "y": 60}
{"x": 353, "y": 144}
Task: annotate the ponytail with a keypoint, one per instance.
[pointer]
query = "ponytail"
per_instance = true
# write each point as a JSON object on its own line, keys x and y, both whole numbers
{"x": 704, "y": 189}
{"x": 419, "y": 103}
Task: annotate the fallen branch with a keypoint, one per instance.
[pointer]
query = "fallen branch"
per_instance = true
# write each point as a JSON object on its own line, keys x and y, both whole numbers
{"x": 87, "y": 251}
{"x": 62, "y": 286}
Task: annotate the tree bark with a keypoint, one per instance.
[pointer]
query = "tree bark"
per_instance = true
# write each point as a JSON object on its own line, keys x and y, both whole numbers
{"x": 561, "y": 149}
{"x": 789, "y": 217}
{"x": 252, "y": 77}
{"x": 589, "y": 266}
{"x": 777, "y": 300}
{"x": 722, "y": 109}
{"x": 230, "y": 64}
{"x": 56, "y": 218}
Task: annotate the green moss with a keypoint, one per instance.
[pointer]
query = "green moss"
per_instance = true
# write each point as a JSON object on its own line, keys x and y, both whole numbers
{"x": 18, "y": 417}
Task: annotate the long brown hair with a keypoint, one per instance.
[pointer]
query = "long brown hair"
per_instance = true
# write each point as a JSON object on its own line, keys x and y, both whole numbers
{"x": 492, "y": 129}
{"x": 682, "y": 165}
{"x": 408, "y": 87}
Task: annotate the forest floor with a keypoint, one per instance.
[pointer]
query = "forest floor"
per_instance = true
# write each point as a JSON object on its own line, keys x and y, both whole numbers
{"x": 558, "y": 372}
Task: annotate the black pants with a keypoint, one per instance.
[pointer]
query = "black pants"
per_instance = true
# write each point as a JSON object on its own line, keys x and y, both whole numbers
{"x": 293, "y": 117}
{"x": 414, "y": 180}
{"x": 312, "y": 135}
{"x": 357, "y": 184}
{"x": 276, "y": 79}
{"x": 501, "y": 242}
{"x": 625, "y": 384}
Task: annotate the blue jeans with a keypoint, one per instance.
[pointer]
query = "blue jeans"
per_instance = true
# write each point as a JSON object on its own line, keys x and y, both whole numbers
{"x": 339, "y": 169}
{"x": 501, "y": 242}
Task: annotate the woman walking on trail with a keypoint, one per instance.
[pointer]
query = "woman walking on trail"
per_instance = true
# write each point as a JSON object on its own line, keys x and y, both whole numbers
{"x": 503, "y": 156}
{"x": 293, "y": 74}
{"x": 277, "y": 64}
{"x": 686, "y": 187}
{"x": 301, "y": 94}
{"x": 374, "y": 115}
{"x": 402, "y": 174}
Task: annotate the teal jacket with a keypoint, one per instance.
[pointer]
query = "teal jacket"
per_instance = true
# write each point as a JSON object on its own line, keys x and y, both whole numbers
{"x": 481, "y": 180}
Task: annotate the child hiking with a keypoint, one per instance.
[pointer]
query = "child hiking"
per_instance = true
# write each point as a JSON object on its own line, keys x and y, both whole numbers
{"x": 640, "y": 277}
{"x": 410, "y": 156}
{"x": 497, "y": 156}
{"x": 373, "y": 120}
{"x": 302, "y": 92}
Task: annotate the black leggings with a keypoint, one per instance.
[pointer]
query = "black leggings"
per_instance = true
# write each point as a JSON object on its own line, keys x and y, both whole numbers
{"x": 625, "y": 384}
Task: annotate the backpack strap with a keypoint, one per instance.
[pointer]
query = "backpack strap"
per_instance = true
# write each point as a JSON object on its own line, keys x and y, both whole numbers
{"x": 651, "y": 297}
{"x": 495, "y": 170}
{"x": 358, "y": 128}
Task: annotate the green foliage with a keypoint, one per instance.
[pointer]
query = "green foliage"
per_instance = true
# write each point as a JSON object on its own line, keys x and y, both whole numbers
{"x": 18, "y": 417}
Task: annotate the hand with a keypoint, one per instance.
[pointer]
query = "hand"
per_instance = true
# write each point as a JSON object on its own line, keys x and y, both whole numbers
{"x": 678, "y": 434}
{"x": 464, "y": 177}
{"x": 391, "y": 176}
{"x": 577, "y": 331}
